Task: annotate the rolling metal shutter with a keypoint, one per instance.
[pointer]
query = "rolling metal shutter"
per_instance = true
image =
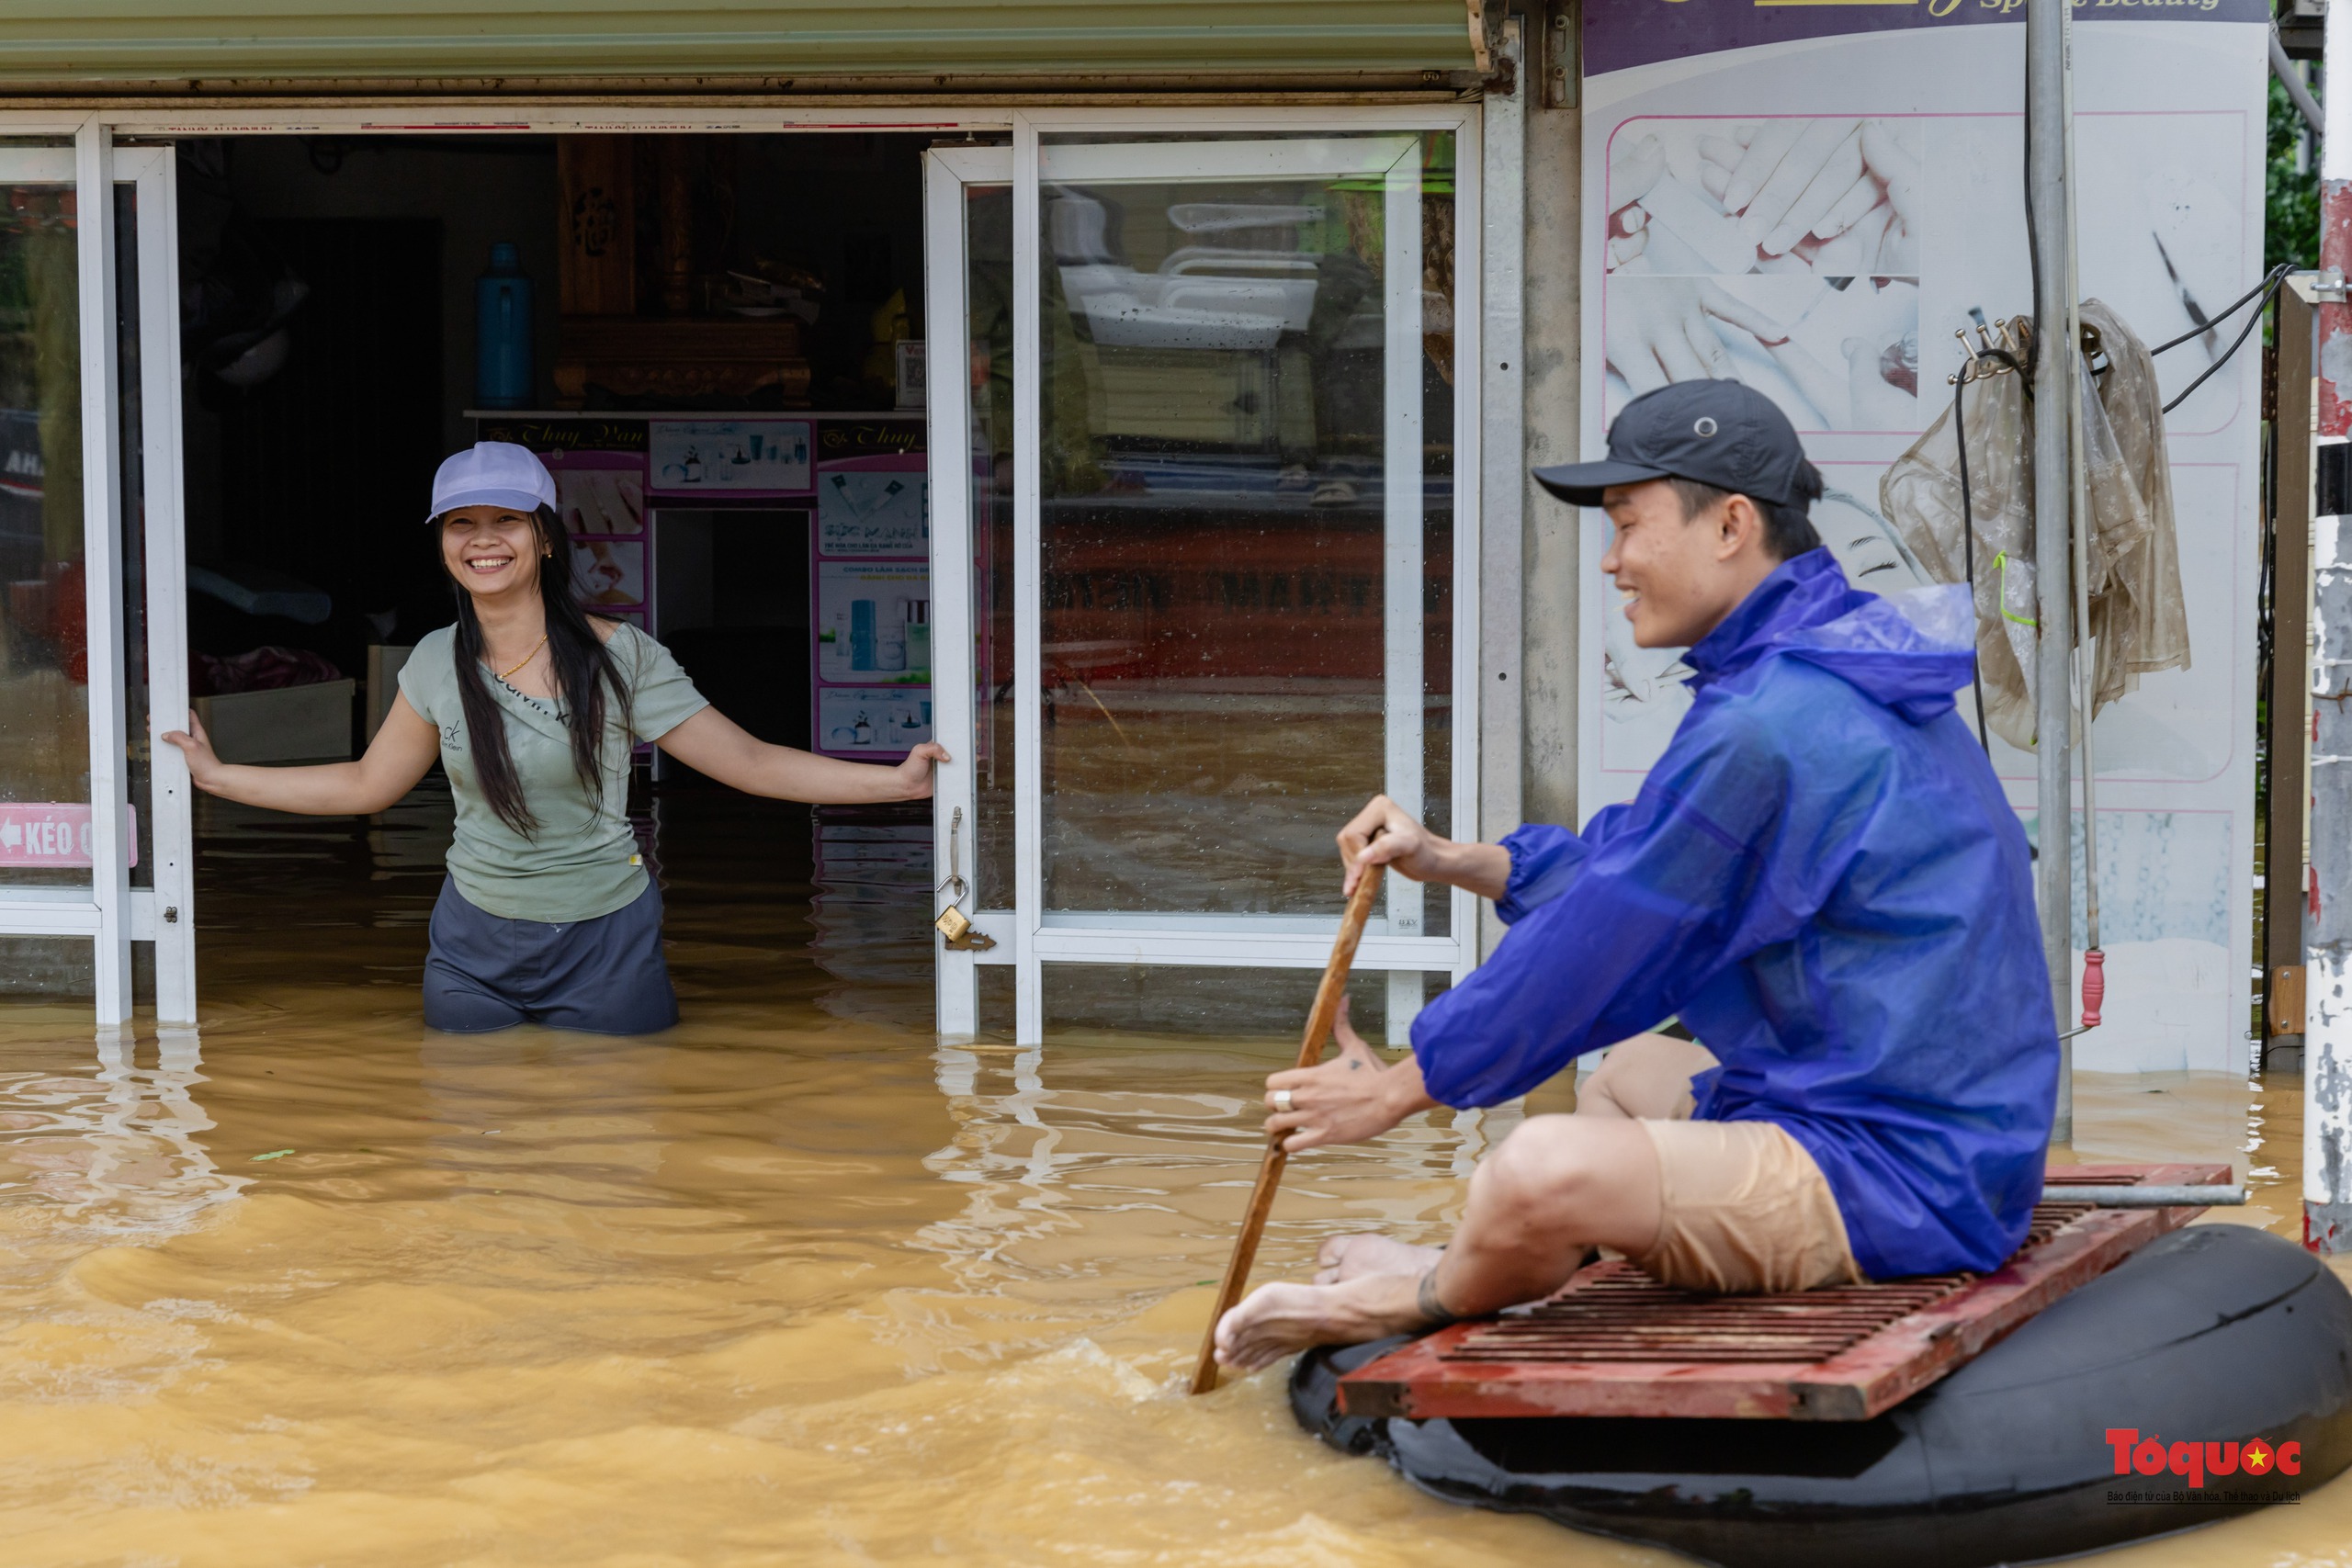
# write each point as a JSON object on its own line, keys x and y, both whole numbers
{"x": 116, "y": 45}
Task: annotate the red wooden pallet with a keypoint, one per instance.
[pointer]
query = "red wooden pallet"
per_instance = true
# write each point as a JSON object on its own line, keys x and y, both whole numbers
{"x": 1615, "y": 1342}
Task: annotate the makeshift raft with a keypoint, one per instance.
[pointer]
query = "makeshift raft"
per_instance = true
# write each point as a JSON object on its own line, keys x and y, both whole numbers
{"x": 1615, "y": 1342}
{"x": 2004, "y": 1388}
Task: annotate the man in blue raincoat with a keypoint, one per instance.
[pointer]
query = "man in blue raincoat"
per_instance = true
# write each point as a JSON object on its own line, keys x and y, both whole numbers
{"x": 1820, "y": 878}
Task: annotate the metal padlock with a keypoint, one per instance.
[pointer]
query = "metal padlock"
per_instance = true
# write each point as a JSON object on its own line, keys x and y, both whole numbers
{"x": 962, "y": 935}
{"x": 953, "y": 924}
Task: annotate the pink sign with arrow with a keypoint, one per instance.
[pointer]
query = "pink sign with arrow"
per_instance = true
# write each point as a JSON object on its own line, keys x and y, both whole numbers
{"x": 54, "y": 834}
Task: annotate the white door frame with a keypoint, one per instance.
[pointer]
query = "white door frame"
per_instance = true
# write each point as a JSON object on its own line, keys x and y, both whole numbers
{"x": 166, "y": 915}
{"x": 109, "y": 912}
{"x": 955, "y": 825}
{"x": 1394, "y": 942}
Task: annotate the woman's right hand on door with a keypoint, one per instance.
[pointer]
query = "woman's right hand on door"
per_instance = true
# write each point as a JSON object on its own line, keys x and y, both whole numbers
{"x": 406, "y": 747}
{"x": 203, "y": 765}
{"x": 915, "y": 776}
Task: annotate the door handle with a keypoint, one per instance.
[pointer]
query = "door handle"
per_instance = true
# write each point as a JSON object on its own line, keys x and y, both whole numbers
{"x": 953, "y": 924}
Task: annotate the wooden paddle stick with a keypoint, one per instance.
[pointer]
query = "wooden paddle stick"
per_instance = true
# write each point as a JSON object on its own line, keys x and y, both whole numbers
{"x": 1327, "y": 998}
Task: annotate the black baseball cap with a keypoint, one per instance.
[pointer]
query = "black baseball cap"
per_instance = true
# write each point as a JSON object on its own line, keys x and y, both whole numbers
{"x": 1724, "y": 434}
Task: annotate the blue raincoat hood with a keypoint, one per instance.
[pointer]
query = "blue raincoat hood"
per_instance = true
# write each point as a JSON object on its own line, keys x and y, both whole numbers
{"x": 1910, "y": 653}
{"x": 1822, "y": 879}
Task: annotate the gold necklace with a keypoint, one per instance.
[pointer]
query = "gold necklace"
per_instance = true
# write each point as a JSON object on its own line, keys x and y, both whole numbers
{"x": 509, "y": 675}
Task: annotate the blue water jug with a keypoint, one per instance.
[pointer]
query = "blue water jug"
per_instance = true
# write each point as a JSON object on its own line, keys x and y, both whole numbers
{"x": 503, "y": 331}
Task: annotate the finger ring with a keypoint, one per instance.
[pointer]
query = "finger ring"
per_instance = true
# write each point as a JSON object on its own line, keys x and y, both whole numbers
{"x": 1281, "y": 1099}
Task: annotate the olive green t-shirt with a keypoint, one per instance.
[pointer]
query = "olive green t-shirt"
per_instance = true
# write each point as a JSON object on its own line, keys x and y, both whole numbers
{"x": 582, "y": 861}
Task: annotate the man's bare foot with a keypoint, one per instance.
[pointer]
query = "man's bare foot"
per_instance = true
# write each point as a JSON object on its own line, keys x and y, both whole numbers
{"x": 1276, "y": 1320}
{"x": 1345, "y": 1258}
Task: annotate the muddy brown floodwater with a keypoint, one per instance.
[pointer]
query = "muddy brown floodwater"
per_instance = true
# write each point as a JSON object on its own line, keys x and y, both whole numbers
{"x": 791, "y": 1283}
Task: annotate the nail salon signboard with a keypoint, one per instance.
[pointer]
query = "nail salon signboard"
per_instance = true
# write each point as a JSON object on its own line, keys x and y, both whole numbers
{"x": 1812, "y": 198}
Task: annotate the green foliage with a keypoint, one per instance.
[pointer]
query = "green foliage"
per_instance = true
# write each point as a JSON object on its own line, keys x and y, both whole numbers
{"x": 2290, "y": 203}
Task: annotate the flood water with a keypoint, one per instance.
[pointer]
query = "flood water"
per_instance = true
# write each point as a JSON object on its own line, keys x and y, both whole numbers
{"x": 791, "y": 1283}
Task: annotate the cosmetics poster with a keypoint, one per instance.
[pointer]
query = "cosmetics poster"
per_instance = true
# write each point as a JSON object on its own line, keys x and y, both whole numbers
{"x": 750, "y": 458}
{"x": 862, "y": 611}
{"x": 874, "y": 507}
{"x": 600, "y": 493}
{"x": 870, "y": 575}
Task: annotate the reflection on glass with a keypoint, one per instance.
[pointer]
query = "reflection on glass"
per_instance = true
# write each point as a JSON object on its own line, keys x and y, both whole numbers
{"x": 52, "y": 968}
{"x": 1182, "y": 1001}
{"x": 140, "y": 778}
{"x": 987, "y": 247}
{"x": 1247, "y": 502}
{"x": 44, "y": 654}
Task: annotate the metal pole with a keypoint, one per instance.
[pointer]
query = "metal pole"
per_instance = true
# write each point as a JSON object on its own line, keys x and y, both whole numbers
{"x": 2290, "y": 692}
{"x": 1502, "y": 414}
{"x": 2327, "y": 926}
{"x": 2083, "y": 669}
{"x": 2045, "y": 98}
{"x": 2291, "y": 79}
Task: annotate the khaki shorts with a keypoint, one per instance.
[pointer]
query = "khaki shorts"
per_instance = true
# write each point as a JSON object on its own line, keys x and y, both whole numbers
{"x": 1742, "y": 1207}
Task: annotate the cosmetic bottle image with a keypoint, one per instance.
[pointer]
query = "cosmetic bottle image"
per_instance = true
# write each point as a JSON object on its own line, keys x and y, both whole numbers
{"x": 860, "y": 634}
{"x": 918, "y": 634}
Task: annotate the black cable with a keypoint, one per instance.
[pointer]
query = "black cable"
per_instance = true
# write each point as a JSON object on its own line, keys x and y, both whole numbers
{"x": 2266, "y": 624}
{"x": 2252, "y": 321}
{"x": 2269, "y": 281}
{"x": 1968, "y": 542}
{"x": 2032, "y": 235}
{"x": 2023, "y": 368}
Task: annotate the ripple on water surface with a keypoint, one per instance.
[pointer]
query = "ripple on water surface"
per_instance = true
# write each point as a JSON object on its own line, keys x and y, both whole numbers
{"x": 791, "y": 1283}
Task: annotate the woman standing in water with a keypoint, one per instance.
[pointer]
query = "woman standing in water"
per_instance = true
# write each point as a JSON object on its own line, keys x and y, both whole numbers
{"x": 532, "y": 706}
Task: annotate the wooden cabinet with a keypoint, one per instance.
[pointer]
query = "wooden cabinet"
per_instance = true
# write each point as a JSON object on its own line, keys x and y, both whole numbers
{"x": 631, "y": 333}
{"x": 676, "y": 358}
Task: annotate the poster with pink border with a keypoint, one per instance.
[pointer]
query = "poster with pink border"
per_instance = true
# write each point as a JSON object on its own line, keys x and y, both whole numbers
{"x": 870, "y": 611}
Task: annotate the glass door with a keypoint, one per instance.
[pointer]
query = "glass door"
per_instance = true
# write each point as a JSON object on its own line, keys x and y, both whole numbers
{"x": 1243, "y": 499}
{"x": 968, "y": 194}
{"x": 94, "y": 828}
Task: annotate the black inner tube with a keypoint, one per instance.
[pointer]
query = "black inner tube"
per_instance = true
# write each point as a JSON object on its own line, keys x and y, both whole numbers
{"x": 2215, "y": 1334}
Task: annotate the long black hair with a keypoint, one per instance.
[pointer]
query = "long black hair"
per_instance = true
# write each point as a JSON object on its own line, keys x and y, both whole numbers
{"x": 584, "y": 672}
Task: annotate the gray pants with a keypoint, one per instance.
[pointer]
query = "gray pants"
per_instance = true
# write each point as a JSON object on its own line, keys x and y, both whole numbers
{"x": 599, "y": 976}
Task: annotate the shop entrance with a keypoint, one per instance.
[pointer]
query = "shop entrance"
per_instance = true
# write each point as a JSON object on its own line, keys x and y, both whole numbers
{"x": 712, "y": 342}
{"x": 1167, "y": 551}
